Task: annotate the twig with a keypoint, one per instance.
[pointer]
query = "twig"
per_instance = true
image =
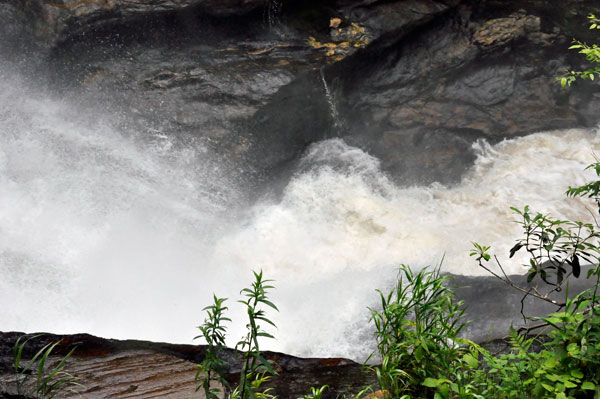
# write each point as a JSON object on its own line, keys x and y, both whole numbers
{"x": 521, "y": 289}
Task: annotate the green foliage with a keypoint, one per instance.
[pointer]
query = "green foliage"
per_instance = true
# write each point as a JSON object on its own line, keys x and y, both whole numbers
{"x": 574, "y": 346}
{"x": 315, "y": 393}
{"x": 590, "y": 190}
{"x": 256, "y": 370}
{"x": 568, "y": 365}
{"x": 253, "y": 388}
{"x": 591, "y": 53}
{"x": 481, "y": 251}
{"x": 562, "y": 369}
{"x": 213, "y": 332}
{"x": 553, "y": 244}
{"x": 48, "y": 382}
{"x": 417, "y": 333}
{"x": 255, "y": 365}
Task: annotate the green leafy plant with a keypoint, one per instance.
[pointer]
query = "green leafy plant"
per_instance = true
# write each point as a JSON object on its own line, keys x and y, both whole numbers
{"x": 568, "y": 365}
{"x": 315, "y": 393}
{"x": 213, "y": 331}
{"x": 591, "y": 53}
{"x": 524, "y": 373}
{"x": 555, "y": 249}
{"x": 591, "y": 189}
{"x": 253, "y": 388}
{"x": 416, "y": 332}
{"x": 256, "y": 370}
{"x": 47, "y": 382}
{"x": 575, "y": 342}
{"x": 255, "y": 365}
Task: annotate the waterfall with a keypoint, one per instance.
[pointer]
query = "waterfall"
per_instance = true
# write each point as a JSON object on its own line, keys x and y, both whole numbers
{"x": 342, "y": 228}
{"x": 126, "y": 232}
{"x": 272, "y": 12}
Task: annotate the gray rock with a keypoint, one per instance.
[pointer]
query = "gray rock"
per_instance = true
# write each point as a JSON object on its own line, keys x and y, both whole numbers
{"x": 436, "y": 76}
{"x": 54, "y": 21}
{"x": 422, "y": 100}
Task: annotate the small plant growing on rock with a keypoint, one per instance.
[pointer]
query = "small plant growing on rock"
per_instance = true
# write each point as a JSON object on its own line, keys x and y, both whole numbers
{"x": 315, "y": 393}
{"x": 48, "y": 382}
{"x": 213, "y": 331}
{"x": 256, "y": 370}
{"x": 255, "y": 365}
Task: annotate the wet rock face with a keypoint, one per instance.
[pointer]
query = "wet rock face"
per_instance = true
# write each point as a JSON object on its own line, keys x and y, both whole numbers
{"x": 197, "y": 86}
{"x": 435, "y": 76}
{"x": 57, "y": 19}
{"x": 389, "y": 17}
{"x": 422, "y": 101}
{"x": 15, "y": 31}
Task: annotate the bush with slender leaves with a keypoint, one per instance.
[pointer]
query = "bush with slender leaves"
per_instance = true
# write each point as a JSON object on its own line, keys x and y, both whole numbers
{"x": 416, "y": 332}
{"x": 568, "y": 365}
{"x": 315, "y": 393}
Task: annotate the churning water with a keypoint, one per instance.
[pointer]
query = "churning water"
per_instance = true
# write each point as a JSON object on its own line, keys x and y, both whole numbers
{"x": 126, "y": 233}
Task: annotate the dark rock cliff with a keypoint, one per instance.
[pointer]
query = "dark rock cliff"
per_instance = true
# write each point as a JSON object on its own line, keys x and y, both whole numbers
{"x": 418, "y": 97}
{"x": 416, "y": 82}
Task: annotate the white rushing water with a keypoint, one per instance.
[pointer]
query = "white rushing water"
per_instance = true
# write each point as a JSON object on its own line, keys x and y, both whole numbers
{"x": 127, "y": 234}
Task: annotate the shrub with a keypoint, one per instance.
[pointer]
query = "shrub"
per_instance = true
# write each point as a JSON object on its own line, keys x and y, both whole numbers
{"x": 416, "y": 332}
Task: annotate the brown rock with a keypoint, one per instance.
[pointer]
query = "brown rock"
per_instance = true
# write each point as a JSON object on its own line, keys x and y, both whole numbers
{"x": 137, "y": 369}
{"x": 501, "y": 31}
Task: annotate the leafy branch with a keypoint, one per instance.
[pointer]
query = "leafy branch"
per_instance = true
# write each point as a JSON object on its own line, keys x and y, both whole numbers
{"x": 591, "y": 53}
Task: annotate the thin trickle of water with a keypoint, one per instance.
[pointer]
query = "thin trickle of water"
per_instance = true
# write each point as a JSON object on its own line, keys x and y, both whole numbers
{"x": 338, "y": 124}
{"x": 273, "y": 11}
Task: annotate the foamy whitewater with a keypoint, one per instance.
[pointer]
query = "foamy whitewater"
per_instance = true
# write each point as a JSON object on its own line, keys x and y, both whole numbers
{"x": 127, "y": 234}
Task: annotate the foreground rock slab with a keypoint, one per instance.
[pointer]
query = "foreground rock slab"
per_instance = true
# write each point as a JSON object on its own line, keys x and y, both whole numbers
{"x": 110, "y": 368}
